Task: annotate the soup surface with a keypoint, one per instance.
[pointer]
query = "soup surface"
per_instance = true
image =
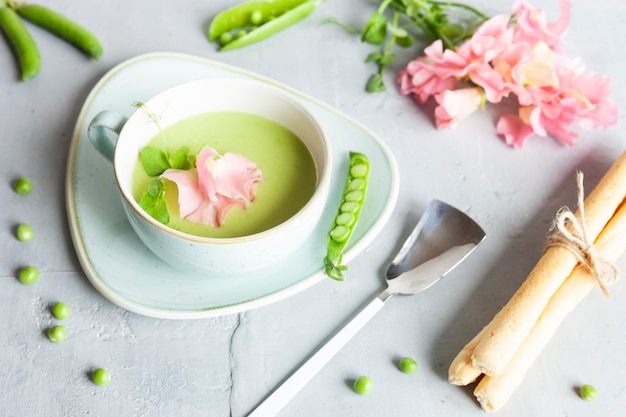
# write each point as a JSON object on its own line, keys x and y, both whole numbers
{"x": 288, "y": 169}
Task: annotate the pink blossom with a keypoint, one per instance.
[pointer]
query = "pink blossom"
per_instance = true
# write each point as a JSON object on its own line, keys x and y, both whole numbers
{"x": 521, "y": 57}
{"x": 514, "y": 130}
{"x": 455, "y": 105}
{"x": 218, "y": 183}
{"x": 434, "y": 73}
{"x": 532, "y": 25}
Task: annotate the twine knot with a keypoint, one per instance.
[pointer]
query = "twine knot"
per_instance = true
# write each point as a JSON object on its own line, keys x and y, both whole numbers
{"x": 575, "y": 239}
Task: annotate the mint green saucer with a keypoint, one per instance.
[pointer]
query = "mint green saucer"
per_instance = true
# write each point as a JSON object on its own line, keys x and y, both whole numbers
{"x": 125, "y": 272}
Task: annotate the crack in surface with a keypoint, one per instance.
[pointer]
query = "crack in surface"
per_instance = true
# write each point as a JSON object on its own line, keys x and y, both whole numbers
{"x": 231, "y": 361}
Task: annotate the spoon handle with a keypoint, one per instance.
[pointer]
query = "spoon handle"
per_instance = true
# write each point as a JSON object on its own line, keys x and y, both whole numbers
{"x": 292, "y": 386}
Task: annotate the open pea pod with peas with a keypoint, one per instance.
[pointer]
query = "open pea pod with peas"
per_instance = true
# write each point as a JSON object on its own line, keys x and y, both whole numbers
{"x": 253, "y": 21}
{"x": 348, "y": 213}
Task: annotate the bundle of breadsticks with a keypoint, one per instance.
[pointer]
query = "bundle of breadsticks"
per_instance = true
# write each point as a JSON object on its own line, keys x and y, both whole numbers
{"x": 579, "y": 256}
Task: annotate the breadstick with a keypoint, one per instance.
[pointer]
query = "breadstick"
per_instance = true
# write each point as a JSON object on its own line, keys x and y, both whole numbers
{"x": 461, "y": 371}
{"x": 494, "y": 391}
{"x": 508, "y": 329}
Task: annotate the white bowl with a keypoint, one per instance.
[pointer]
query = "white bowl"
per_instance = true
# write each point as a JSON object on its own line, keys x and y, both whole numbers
{"x": 121, "y": 139}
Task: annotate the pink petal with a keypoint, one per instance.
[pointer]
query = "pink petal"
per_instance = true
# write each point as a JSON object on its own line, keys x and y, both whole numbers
{"x": 515, "y": 131}
{"x": 236, "y": 177}
{"x": 205, "y": 166}
{"x": 189, "y": 195}
{"x": 455, "y": 105}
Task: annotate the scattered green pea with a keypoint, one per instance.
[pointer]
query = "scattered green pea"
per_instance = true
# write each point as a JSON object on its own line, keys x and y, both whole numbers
{"x": 28, "y": 275}
{"x": 24, "y": 233}
{"x": 101, "y": 376}
{"x": 588, "y": 392}
{"x": 363, "y": 385}
{"x": 347, "y": 215}
{"x": 23, "y": 186}
{"x": 60, "y": 311}
{"x": 57, "y": 334}
{"x": 407, "y": 365}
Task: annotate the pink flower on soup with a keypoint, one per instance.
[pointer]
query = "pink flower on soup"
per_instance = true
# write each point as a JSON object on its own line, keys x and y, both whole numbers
{"x": 455, "y": 105}
{"x": 218, "y": 183}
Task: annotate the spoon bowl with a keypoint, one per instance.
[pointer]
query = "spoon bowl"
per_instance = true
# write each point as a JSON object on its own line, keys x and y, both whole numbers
{"x": 441, "y": 240}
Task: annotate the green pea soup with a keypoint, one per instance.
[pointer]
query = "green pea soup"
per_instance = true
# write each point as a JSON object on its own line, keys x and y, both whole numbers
{"x": 288, "y": 169}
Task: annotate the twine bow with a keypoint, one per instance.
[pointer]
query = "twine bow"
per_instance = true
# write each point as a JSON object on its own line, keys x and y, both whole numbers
{"x": 576, "y": 240}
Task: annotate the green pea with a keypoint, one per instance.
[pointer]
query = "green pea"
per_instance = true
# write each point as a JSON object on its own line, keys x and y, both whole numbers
{"x": 57, "y": 334}
{"x": 101, "y": 376}
{"x": 28, "y": 275}
{"x": 256, "y": 17}
{"x": 357, "y": 184}
{"x": 60, "y": 311}
{"x": 225, "y": 38}
{"x": 340, "y": 234}
{"x": 241, "y": 34}
{"x": 588, "y": 392}
{"x": 363, "y": 385}
{"x": 347, "y": 215}
{"x": 23, "y": 186}
{"x": 349, "y": 207}
{"x": 407, "y": 365}
{"x": 24, "y": 46}
{"x": 345, "y": 219}
{"x": 63, "y": 27}
{"x": 359, "y": 170}
{"x": 354, "y": 196}
{"x": 24, "y": 233}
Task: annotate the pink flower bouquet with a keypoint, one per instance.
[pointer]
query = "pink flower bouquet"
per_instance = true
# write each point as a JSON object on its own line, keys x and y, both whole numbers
{"x": 519, "y": 55}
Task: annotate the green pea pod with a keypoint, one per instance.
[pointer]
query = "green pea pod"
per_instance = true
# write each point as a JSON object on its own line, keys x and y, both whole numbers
{"x": 273, "y": 26}
{"x": 23, "y": 44}
{"x": 61, "y": 26}
{"x": 241, "y": 15}
{"x": 348, "y": 214}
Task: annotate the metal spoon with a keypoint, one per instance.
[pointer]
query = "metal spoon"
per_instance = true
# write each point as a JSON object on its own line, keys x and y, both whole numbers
{"x": 443, "y": 237}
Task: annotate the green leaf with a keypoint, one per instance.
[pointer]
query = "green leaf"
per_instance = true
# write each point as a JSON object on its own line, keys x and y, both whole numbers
{"x": 154, "y": 160}
{"x": 374, "y": 57}
{"x": 397, "y": 32}
{"x": 376, "y": 29}
{"x": 153, "y": 202}
{"x": 179, "y": 159}
{"x": 375, "y": 84}
{"x": 387, "y": 59}
{"x": 405, "y": 42}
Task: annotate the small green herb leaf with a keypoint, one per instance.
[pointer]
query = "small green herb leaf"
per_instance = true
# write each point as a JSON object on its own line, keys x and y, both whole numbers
{"x": 387, "y": 59}
{"x": 374, "y": 57}
{"x": 375, "y": 84}
{"x": 179, "y": 159}
{"x": 406, "y": 41}
{"x": 154, "y": 160}
{"x": 376, "y": 29}
{"x": 153, "y": 202}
